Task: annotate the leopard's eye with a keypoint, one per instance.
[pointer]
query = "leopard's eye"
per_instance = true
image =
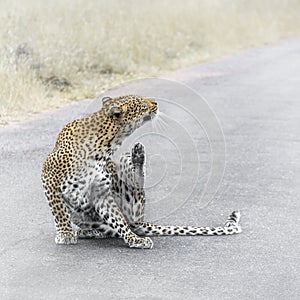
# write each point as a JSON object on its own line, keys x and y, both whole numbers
{"x": 116, "y": 111}
{"x": 117, "y": 114}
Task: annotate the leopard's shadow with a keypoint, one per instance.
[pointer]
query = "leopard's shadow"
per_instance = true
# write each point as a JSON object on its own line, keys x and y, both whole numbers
{"x": 102, "y": 243}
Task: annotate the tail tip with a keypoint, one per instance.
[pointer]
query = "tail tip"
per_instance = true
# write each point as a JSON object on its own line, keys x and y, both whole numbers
{"x": 237, "y": 215}
{"x": 233, "y": 220}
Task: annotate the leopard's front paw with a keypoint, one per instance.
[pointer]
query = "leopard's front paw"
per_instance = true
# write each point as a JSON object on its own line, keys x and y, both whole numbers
{"x": 65, "y": 238}
{"x": 138, "y": 153}
{"x": 141, "y": 243}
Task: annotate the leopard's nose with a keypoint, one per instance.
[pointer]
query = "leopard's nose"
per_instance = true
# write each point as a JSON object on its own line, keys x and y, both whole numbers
{"x": 152, "y": 104}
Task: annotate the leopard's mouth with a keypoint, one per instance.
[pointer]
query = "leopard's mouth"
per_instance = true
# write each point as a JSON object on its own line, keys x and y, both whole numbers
{"x": 150, "y": 116}
{"x": 147, "y": 118}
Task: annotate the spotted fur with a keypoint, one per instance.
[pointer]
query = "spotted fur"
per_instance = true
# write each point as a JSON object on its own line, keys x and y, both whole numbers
{"x": 86, "y": 188}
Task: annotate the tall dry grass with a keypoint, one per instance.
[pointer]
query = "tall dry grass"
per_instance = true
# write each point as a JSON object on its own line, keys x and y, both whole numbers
{"x": 61, "y": 50}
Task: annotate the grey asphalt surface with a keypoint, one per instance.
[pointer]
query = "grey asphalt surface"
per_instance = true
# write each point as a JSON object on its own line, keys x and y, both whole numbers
{"x": 255, "y": 95}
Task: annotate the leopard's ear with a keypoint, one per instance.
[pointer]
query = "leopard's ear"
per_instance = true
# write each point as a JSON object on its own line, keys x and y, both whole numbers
{"x": 105, "y": 99}
{"x": 116, "y": 111}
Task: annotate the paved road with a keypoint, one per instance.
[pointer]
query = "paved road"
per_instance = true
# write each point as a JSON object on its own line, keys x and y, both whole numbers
{"x": 256, "y": 98}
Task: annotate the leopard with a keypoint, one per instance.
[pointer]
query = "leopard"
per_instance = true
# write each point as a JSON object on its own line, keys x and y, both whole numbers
{"x": 92, "y": 196}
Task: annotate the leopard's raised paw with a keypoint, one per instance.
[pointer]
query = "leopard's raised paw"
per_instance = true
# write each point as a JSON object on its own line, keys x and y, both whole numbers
{"x": 138, "y": 153}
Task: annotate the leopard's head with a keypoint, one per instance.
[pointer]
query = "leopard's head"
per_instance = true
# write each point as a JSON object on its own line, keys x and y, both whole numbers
{"x": 127, "y": 113}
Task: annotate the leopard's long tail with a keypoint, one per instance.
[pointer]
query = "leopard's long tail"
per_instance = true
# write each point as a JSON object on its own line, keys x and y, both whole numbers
{"x": 231, "y": 226}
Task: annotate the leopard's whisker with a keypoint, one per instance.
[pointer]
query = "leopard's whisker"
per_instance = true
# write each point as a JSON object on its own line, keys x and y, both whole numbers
{"x": 159, "y": 125}
{"x": 162, "y": 123}
{"x": 164, "y": 118}
{"x": 154, "y": 124}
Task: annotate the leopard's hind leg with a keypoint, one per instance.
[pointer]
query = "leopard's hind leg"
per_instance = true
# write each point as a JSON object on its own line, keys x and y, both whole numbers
{"x": 131, "y": 177}
{"x": 131, "y": 184}
{"x": 128, "y": 189}
{"x": 117, "y": 217}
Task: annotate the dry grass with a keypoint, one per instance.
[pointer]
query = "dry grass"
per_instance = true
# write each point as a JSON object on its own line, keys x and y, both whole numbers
{"x": 65, "y": 50}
